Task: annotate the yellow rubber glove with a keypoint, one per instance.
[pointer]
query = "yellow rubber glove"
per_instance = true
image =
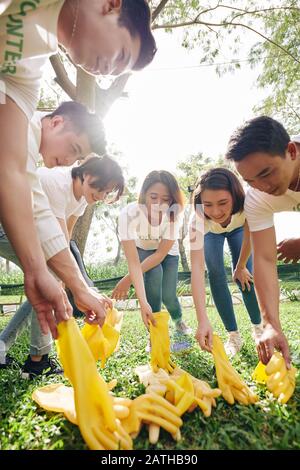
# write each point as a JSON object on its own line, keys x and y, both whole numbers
{"x": 281, "y": 382}
{"x": 101, "y": 341}
{"x": 160, "y": 343}
{"x": 114, "y": 318}
{"x": 148, "y": 377}
{"x": 183, "y": 392}
{"x": 104, "y": 341}
{"x": 93, "y": 404}
{"x": 231, "y": 384}
{"x": 57, "y": 397}
{"x": 60, "y": 398}
{"x": 259, "y": 374}
{"x": 204, "y": 395}
{"x": 152, "y": 409}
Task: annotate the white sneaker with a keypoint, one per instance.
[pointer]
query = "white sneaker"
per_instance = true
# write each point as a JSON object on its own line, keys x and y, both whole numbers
{"x": 257, "y": 331}
{"x": 182, "y": 328}
{"x": 234, "y": 344}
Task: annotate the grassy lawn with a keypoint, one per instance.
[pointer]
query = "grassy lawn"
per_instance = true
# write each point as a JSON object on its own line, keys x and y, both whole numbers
{"x": 265, "y": 425}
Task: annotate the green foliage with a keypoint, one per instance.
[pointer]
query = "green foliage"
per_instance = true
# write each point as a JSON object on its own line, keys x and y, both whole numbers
{"x": 192, "y": 167}
{"x": 266, "y": 425}
{"x": 14, "y": 277}
{"x": 281, "y": 68}
{"x": 107, "y": 270}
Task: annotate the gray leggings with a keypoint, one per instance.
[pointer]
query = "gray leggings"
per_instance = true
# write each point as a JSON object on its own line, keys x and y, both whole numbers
{"x": 40, "y": 344}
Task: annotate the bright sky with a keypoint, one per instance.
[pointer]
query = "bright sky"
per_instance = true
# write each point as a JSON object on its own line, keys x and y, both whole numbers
{"x": 176, "y": 108}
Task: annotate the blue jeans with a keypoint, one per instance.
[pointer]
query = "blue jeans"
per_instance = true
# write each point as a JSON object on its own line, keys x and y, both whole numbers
{"x": 40, "y": 344}
{"x": 214, "y": 259}
{"x": 160, "y": 284}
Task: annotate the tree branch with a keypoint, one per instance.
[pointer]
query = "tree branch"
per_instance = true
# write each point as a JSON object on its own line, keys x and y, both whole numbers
{"x": 293, "y": 110}
{"x": 62, "y": 77}
{"x": 105, "y": 98}
{"x": 226, "y": 24}
{"x": 159, "y": 9}
{"x": 257, "y": 12}
{"x": 208, "y": 10}
{"x": 260, "y": 10}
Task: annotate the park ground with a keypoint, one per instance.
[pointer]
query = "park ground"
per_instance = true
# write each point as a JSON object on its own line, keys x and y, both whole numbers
{"x": 266, "y": 425}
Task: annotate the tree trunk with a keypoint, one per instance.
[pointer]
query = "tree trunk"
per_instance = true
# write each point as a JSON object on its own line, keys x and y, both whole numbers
{"x": 85, "y": 94}
{"x": 184, "y": 261}
{"x": 81, "y": 229}
{"x": 96, "y": 100}
{"x": 118, "y": 255}
{"x": 86, "y": 89}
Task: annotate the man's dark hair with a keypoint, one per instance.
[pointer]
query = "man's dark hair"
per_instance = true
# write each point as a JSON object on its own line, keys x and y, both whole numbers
{"x": 135, "y": 16}
{"x": 261, "y": 134}
{"x": 83, "y": 122}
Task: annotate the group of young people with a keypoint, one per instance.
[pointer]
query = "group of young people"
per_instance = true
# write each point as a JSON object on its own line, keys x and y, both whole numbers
{"x": 109, "y": 37}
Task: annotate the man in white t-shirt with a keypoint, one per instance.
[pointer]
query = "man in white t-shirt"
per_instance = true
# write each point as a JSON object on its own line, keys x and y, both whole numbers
{"x": 66, "y": 135}
{"x": 101, "y": 36}
{"x": 269, "y": 161}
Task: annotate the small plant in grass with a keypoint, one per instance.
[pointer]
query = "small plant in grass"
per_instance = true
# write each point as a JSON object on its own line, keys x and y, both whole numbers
{"x": 290, "y": 292}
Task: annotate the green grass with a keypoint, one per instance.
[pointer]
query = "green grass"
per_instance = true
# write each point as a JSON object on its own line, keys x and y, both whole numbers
{"x": 266, "y": 425}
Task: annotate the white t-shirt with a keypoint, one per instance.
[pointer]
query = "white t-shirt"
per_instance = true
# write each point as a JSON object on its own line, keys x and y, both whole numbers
{"x": 260, "y": 207}
{"x": 49, "y": 231}
{"x": 200, "y": 226}
{"x": 28, "y": 35}
{"x": 237, "y": 220}
{"x": 57, "y": 184}
{"x": 134, "y": 225}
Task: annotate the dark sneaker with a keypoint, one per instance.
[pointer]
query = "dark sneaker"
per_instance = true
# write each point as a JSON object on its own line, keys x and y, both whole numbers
{"x": 9, "y": 362}
{"x": 46, "y": 366}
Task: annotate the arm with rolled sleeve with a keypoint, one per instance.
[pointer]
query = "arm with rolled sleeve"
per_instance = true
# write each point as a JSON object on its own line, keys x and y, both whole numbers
{"x": 49, "y": 231}
{"x": 57, "y": 253}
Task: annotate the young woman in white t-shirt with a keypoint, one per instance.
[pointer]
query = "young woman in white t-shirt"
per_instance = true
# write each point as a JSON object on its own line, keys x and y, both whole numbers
{"x": 70, "y": 190}
{"x": 149, "y": 230}
{"x": 219, "y": 214}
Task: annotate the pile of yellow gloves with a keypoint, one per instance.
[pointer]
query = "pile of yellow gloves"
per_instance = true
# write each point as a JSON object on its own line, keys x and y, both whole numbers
{"x": 179, "y": 388}
{"x": 109, "y": 422}
{"x": 155, "y": 411}
{"x": 229, "y": 381}
{"x": 163, "y": 378}
{"x": 279, "y": 380}
{"x": 105, "y": 421}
